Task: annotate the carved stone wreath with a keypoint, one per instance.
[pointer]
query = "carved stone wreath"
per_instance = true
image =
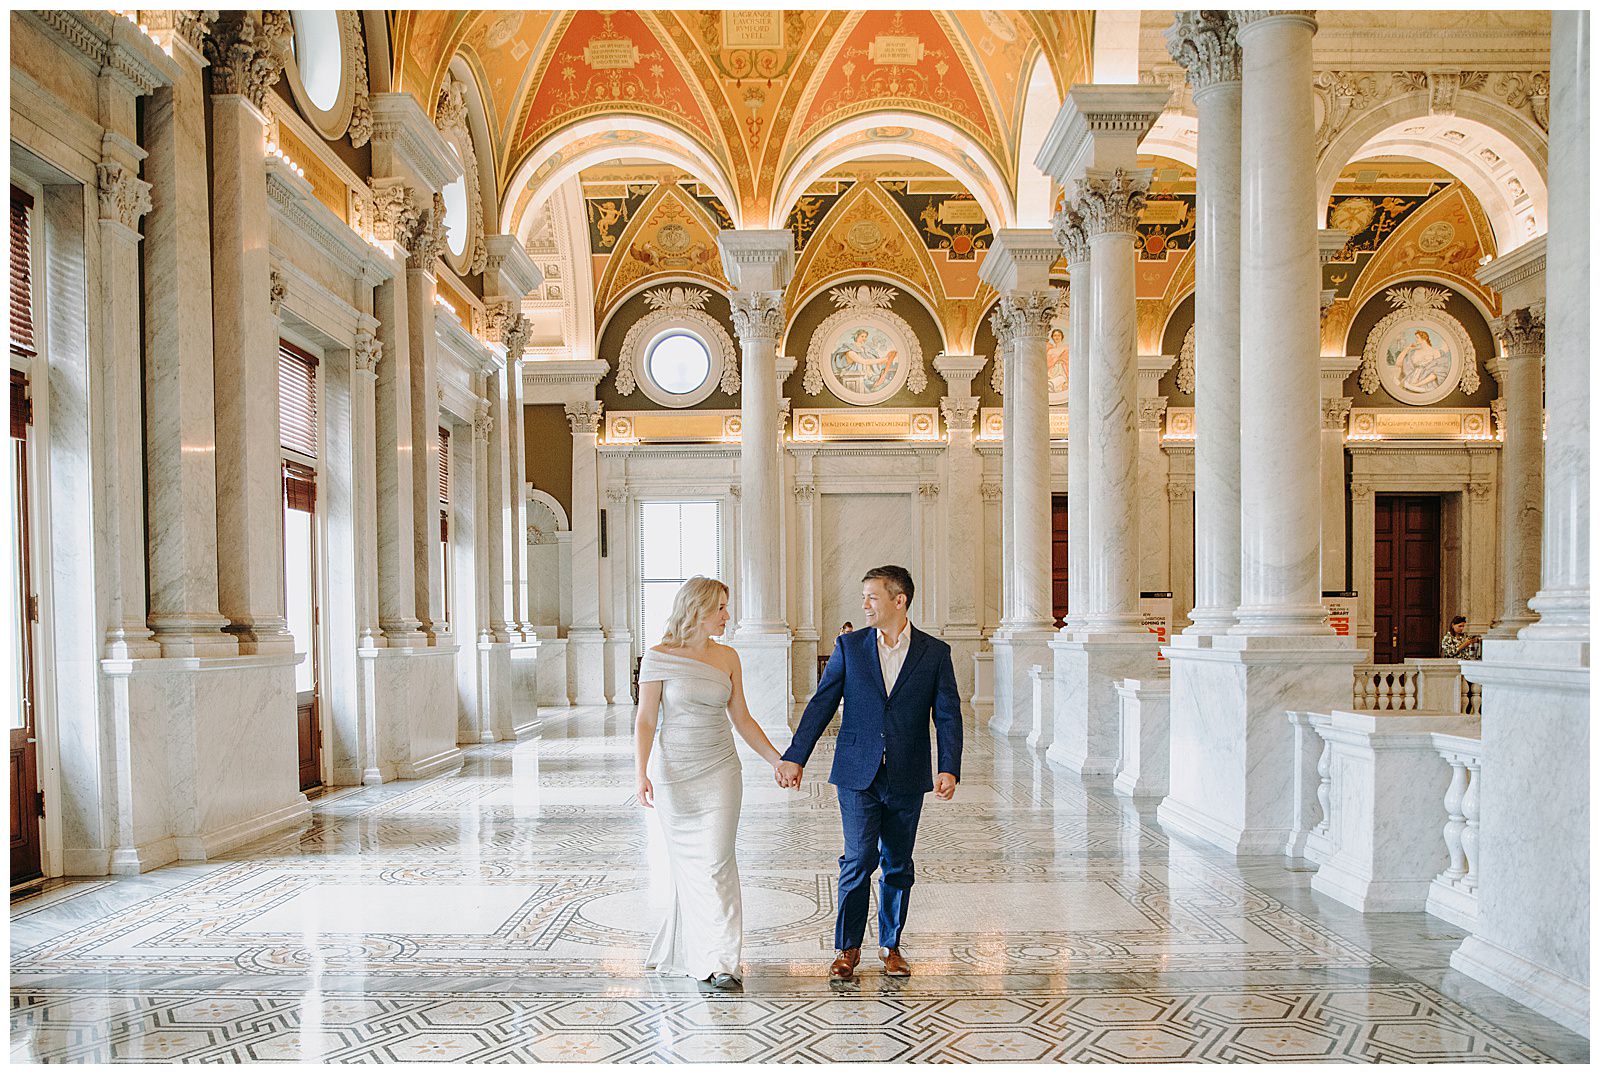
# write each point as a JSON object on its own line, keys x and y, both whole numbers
{"x": 450, "y": 117}
{"x": 677, "y": 306}
{"x": 865, "y": 305}
{"x": 1186, "y": 363}
{"x": 1424, "y": 305}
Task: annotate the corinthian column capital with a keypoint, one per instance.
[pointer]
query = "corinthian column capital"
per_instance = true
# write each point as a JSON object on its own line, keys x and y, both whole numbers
{"x": 1068, "y": 227}
{"x": 1206, "y": 45}
{"x": 124, "y": 197}
{"x": 1111, "y": 200}
{"x": 584, "y": 418}
{"x": 247, "y": 52}
{"x": 1521, "y": 331}
{"x": 757, "y": 315}
{"x": 1024, "y": 315}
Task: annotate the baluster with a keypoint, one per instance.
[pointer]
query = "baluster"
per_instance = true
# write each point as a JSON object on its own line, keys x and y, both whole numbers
{"x": 1457, "y": 820}
{"x": 1381, "y": 681}
{"x": 1469, "y": 833}
{"x": 1363, "y": 689}
{"x": 1324, "y": 786}
{"x": 1408, "y": 690}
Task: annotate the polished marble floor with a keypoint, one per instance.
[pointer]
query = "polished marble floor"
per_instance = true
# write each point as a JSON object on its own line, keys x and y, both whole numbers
{"x": 502, "y": 914}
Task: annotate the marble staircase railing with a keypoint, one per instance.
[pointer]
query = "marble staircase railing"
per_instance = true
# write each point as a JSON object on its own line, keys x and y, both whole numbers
{"x": 1418, "y": 685}
{"x": 1310, "y": 782}
{"x": 1453, "y": 896}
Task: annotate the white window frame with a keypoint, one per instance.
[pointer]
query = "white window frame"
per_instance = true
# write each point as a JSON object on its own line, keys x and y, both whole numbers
{"x": 645, "y": 640}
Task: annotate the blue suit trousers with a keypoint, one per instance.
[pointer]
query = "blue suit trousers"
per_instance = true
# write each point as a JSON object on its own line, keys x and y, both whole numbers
{"x": 880, "y": 828}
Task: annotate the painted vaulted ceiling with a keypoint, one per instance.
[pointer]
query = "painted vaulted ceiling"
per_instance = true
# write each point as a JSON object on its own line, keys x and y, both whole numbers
{"x": 751, "y": 90}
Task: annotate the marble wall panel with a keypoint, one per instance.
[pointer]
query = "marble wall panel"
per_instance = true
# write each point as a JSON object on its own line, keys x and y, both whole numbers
{"x": 859, "y": 531}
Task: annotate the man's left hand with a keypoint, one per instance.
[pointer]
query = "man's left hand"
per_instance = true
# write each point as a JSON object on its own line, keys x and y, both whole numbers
{"x": 944, "y": 785}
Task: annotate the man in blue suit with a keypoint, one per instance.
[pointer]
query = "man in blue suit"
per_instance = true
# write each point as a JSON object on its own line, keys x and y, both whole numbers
{"x": 892, "y": 678}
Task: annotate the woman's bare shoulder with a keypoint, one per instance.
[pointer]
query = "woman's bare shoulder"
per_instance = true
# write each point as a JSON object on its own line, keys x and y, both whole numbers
{"x": 726, "y": 655}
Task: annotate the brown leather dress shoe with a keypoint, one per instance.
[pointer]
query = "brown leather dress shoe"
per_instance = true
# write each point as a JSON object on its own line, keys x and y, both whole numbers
{"x": 844, "y": 964}
{"x": 894, "y": 964}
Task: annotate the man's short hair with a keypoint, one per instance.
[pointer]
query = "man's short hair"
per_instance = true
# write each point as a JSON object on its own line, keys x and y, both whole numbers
{"x": 895, "y": 579}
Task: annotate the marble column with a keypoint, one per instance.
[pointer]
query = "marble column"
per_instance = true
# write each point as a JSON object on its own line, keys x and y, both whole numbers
{"x": 500, "y": 548}
{"x": 1018, "y": 266}
{"x": 1520, "y": 374}
{"x": 124, "y": 198}
{"x": 1333, "y": 575}
{"x": 1206, "y": 44}
{"x": 759, "y": 264}
{"x": 1109, "y": 641}
{"x": 1070, "y": 234}
{"x": 961, "y": 516}
{"x": 395, "y": 505}
{"x": 1008, "y": 496}
{"x": 586, "y": 639}
{"x": 424, "y": 242}
{"x": 245, "y": 344}
{"x": 1229, "y": 699}
{"x": 521, "y": 611}
{"x": 1531, "y": 938}
{"x": 364, "y": 358}
{"x": 1280, "y": 286}
{"x": 807, "y": 639}
{"x": 180, "y": 436}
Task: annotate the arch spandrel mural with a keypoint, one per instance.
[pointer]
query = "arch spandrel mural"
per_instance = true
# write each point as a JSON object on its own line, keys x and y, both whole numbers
{"x": 636, "y": 235}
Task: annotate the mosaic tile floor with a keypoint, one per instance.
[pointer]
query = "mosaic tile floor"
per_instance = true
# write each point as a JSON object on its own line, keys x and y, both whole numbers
{"x": 502, "y": 914}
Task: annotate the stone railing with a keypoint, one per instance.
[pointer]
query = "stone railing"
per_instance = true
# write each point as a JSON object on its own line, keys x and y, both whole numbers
{"x": 1366, "y": 788}
{"x": 1418, "y": 685}
{"x": 1453, "y": 895}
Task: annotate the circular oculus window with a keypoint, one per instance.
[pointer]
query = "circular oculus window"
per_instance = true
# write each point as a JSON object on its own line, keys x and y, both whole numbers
{"x": 319, "y": 55}
{"x": 678, "y": 362}
{"x": 455, "y": 216}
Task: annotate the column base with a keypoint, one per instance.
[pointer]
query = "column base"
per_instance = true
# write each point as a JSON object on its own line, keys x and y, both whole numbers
{"x": 524, "y": 698}
{"x": 1015, "y": 651}
{"x": 1087, "y": 710}
{"x": 765, "y": 660}
{"x": 803, "y": 663}
{"x": 1145, "y": 708}
{"x": 586, "y": 666}
{"x": 619, "y": 668}
{"x": 494, "y": 692}
{"x": 552, "y": 685}
{"x": 1234, "y": 786}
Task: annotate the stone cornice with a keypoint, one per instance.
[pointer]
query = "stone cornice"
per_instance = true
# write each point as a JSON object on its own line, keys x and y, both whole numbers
{"x": 291, "y": 197}
{"x": 757, "y": 260}
{"x": 509, "y": 270}
{"x": 1019, "y": 259}
{"x": 1524, "y": 265}
{"x": 108, "y": 44}
{"x": 403, "y": 133}
{"x": 1092, "y": 112}
{"x": 469, "y": 353}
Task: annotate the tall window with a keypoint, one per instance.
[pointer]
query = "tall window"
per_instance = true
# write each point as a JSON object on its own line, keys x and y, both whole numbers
{"x": 297, "y": 436}
{"x": 677, "y": 540}
{"x": 446, "y": 589}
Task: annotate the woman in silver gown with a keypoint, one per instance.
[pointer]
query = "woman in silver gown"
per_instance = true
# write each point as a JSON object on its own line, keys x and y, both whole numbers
{"x": 691, "y": 697}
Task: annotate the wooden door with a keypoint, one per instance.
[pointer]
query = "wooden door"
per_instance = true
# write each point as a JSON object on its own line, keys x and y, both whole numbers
{"x": 1405, "y": 555}
{"x": 1058, "y": 557}
{"x": 27, "y": 804}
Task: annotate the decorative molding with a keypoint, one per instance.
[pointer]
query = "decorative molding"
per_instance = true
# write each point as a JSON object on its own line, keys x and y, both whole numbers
{"x": 991, "y": 491}
{"x": 189, "y": 26}
{"x": 959, "y": 414}
{"x": 1336, "y": 412}
{"x": 671, "y": 306}
{"x": 247, "y": 52}
{"x": 997, "y": 375}
{"x": 367, "y": 352}
{"x": 1406, "y": 301}
{"x": 1360, "y": 490}
{"x": 1206, "y": 45}
{"x": 1521, "y": 331}
{"x": 617, "y": 494}
{"x": 394, "y": 208}
{"x": 1068, "y": 227}
{"x": 482, "y": 424}
{"x": 450, "y": 117}
{"x": 1111, "y": 201}
{"x": 1021, "y": 315}
{"x": 360, "y": 128}
{"x": 124, "y": 197}
{"x": 1151, "y": 411}
{"x": 865, "y": 304}
{"x": 516, "y": 340}
{"x": 291, "y": 197}
{"x": 1185, "y": 378}
{"x": 804, "y": 492}
{"x": 928, "y": 490}
{"x": 277, "y": 291}
{"x": 584, "y": 418}
{"x": 424, "y": 239}
{"x": 757, "y": 315}
{"x": 735, "y": 491}
{"x": 1480, "y": 490}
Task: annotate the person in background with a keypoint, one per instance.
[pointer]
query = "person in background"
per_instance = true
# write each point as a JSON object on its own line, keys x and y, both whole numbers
{"x": 847, "y": 628}
{"x": 1457, "y": 644}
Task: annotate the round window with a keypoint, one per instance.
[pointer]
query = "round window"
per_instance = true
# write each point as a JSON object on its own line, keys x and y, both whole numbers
{"x": 678, "y": 362}
{"x": 455, "y": 216}
{"x": 319, "y": 54}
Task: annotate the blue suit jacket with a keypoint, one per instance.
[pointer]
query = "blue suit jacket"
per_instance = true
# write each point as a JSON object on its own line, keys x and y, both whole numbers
{"x": 878, "y": 725}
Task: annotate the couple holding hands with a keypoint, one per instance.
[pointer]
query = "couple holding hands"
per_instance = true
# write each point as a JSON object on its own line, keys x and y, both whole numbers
{"x": 895, "y": 680}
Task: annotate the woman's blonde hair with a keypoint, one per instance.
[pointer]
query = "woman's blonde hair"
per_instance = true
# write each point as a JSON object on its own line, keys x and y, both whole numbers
{"x": 697, "y": 599}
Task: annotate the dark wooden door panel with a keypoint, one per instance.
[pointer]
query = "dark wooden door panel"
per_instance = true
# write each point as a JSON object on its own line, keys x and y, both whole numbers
{"x": 1058, "y": 557}
{"x": 1405, "y": 595}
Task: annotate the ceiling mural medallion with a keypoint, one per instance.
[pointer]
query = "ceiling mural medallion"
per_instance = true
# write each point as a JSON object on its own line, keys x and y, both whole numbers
{"x": 864, "y": 351}
{"x": 1418, "y": 353}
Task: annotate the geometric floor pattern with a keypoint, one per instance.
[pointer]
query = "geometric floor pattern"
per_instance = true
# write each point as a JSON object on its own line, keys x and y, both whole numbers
{"x": 501, "y": 914}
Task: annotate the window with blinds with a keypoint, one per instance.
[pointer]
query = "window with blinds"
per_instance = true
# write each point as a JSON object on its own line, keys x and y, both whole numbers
{"x": 297, "y": 400}
{"x": 22, "y": 341}
{"x": 444, "y": 483}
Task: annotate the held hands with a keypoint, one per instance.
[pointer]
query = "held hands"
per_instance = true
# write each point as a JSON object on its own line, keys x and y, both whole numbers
{"x": 944, "y": 785}
{"x": 645, "y": 792}
{"x": 787, "y": 774}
